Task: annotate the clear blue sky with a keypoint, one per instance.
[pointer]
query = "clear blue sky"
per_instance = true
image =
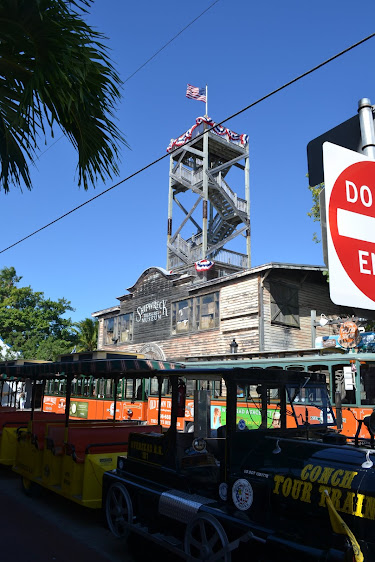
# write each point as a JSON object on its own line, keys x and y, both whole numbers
{"x": 242, "y": 50}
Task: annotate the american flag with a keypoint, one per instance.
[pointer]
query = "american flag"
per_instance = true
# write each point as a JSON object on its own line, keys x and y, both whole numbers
{"x": 196, "y": 93}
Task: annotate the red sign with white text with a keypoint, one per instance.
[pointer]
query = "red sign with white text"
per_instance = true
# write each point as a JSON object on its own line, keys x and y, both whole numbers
{"x": 350, "y": 204}
{"x": 352, "y": 224}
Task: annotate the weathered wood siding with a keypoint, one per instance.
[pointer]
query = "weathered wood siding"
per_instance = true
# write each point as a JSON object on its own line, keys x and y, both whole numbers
{"x": 238, "y": 318}
{"x": 311, "y": 296}
{"x": 240, "y": 313}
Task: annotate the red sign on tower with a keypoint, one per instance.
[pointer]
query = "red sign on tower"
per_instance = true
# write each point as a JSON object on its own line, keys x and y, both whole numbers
{"x": 350, "y": 204}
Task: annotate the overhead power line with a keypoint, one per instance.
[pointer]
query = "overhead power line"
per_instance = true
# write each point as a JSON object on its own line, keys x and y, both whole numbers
{"x": 146, "y": 62}
{"x": 259, "y": 100}
{"x": 170, "y": 41}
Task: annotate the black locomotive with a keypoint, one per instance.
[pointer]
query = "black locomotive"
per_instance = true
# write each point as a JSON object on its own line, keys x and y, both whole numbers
{"x": 275, "y": 475}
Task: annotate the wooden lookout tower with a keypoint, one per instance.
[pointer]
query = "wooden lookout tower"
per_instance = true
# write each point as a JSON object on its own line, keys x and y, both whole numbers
{"x": 199, "y": 164}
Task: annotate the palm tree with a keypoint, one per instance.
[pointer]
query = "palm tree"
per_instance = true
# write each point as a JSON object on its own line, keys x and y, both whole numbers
{"x": 87, "y": 334}
{"x": 54, "y": 69}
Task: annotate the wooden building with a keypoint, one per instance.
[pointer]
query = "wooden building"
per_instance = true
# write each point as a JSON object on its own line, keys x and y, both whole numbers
{"x": 177, "y": 316}
{"x": 183, "y": 312}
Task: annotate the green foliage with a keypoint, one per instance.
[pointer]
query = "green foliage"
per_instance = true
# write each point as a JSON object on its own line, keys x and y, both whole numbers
{"x": 87, "y": 334}
{"x": 315, "y": 209}
{"x": 370, "y": 326}
{"x": 32, "y": 324}
{"x": 55, "y": 69}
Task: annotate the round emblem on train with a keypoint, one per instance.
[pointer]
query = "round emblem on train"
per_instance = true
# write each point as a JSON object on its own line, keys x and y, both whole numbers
{"x": 242, "y": 494}
{"x": 223, "y": 491}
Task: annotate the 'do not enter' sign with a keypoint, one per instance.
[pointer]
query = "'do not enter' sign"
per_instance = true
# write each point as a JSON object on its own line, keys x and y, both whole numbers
{"x": 350, "y": 206}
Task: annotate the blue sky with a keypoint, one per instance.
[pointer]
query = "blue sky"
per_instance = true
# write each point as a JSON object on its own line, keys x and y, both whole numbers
{"x": 242, "y": 50}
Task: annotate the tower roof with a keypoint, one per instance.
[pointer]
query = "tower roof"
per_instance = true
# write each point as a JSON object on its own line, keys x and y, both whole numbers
{"x": 219, "y": 130}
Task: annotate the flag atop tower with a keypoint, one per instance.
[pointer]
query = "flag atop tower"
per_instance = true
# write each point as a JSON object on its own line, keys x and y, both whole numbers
{"x": 196, "y": 93}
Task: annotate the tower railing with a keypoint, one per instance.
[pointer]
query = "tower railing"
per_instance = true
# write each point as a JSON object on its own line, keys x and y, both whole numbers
{"x": 193, "y": 253}
{"x": 238, "y": 203}
{"x": 195, "y": 176}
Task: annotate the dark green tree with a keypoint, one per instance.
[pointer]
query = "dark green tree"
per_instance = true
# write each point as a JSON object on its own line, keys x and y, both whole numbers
{"x": 55, "y": 69}
{"x": 32, "y": 324}
{"x": 87, "y": 334}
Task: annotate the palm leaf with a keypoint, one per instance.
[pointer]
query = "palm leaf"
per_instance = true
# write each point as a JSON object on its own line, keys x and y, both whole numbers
{"x": 54, "y": 69}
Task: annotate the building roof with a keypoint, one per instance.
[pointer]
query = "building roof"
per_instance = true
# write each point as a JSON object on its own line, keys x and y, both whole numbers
{"x": 216, "y": 280}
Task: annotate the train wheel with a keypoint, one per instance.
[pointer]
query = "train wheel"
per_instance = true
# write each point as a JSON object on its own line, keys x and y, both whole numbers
{"x": 118, "y": 510}
{"x": 205, "y": 538}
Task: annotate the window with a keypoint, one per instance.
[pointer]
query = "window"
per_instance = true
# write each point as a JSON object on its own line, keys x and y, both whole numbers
{"x": 109, "y": 389}
{"x": 125, "y": 327}
{"x": 120, "y": 388}
{"x": 199, "y": 313}
{"x": 368, "y": 383}
{"x": 191, "y": 385}
{"x": 79, "y": 386}
{"x": 154, "y": 386}
{"x": 284, "y": 305}
{"x": 321, "y": 369}
{"x": 181, "y": 314}
{"x": 101, "y": 387}
{"x": 109, "y": 326}
{"x": 207, "y": 311}
{"x": 344, "y": 377}
{"x": 118, "y": 329}
{"x": 130, "y": 389}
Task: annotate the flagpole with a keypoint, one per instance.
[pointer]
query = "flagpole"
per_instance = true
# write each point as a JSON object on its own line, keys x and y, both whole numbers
{"x": 206, "y": 100}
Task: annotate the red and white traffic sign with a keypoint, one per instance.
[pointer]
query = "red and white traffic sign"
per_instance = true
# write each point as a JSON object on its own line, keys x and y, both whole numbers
{"x": 350, "y": 207}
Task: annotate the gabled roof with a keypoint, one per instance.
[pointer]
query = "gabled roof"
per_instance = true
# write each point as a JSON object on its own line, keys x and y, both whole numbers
{"x": 164, "y": 272}
{"x": 217, "y": 280}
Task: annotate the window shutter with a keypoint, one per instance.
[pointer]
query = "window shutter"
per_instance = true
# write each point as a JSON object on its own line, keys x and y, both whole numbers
{"x": 284, "y": 305}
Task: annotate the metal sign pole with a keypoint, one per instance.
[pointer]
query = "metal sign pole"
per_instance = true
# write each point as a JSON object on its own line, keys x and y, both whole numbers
{"x": 366, "y": 122}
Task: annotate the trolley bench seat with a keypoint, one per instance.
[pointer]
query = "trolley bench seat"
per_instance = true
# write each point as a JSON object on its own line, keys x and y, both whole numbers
{"x": 17, "y": 418}
{"x": 12, "y": 419}
{"x": 82, "y": 440}
{"x": 55, "y": 433}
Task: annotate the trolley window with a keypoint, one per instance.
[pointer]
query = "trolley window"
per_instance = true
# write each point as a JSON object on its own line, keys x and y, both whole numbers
{"x": 367, "y": 372}
{"x": 344, "y": 377}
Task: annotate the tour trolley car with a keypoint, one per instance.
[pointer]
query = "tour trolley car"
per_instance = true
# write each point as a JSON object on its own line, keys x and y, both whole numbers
{"x": 68, "y": 456}
{"x": 273, "y": 476}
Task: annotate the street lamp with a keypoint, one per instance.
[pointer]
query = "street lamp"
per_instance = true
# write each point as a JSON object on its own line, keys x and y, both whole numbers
{"x": 233, "y": 346}
{"x": 323, "y": 320}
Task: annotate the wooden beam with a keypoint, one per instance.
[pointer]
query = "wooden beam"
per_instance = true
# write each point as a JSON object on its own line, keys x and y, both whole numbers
{"x": 178, "y": 162}
{"x": 178, "y": 253}
{"x": 188, "y": 185}
{"x": 188, "y": 216}
{"x": 190, "y": 149}
{"x": 223, "y": 242}
{"x": 186, "y": 213}
{"x": 227, "y": 164}
{"x": 241, "y": 166}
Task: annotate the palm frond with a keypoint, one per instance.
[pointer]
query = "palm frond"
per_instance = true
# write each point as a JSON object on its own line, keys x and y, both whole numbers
{"x": 54, "y": 69}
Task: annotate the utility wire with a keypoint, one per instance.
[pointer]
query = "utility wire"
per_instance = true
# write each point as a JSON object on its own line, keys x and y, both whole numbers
{"x": 259, "y": 100}
{"x": 147, "y": 61}
{"x": 170, "y": 41}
